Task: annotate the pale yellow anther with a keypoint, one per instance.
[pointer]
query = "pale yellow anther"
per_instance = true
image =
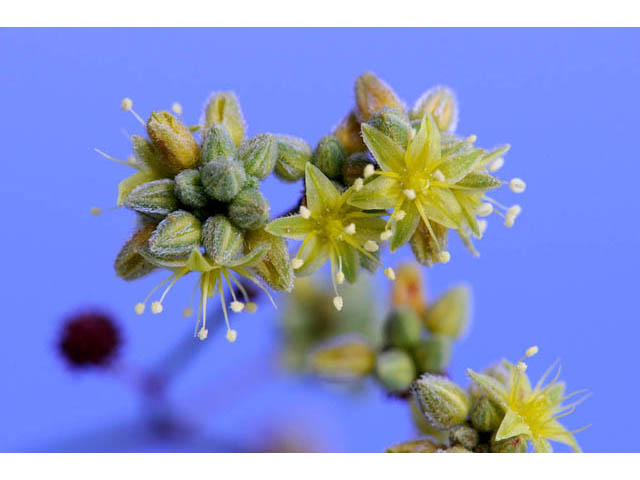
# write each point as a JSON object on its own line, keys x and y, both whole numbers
{"x": 509, "y": 221}
{"x": 482, "y": 226}
{"x": 350, "y": 229}
{"x": 237, "y": 306}
{"x": 203, "y": 333}
{"x": 517, "y": 185}
{"x": 368, "y": 170}
{"x": 386, "y": 235}
{"x": 340, "y": 277}
{"x": 412, "y": 134}
{"x": 177, "y": 108}
{"x": 485, "y": 209}
{"x": 251, "y": 307}
{"x": 232, "y": 335}
{"x": 338, "y": 302}
{"x": 296, "y": 263}
{"x": 439, "y": 176}
{"x": 95, "y": 211}
{"x": 521, "y": 366}
{"x": 187, "y": 312}
{"x": 410, "y": 193}
{"x": 400, "y": 214}
{"x": 305, "y": 212}
{"x": 127, "y": 104}
{"x": 471, "y": 139}
{"x": 156, "y": 307}
{"x": 531, "y": 351}
{"x": 357, "y": 184}
{"x": 370, "y": 246}
{"x": 514, "y": 211}
{"x": 496, "y": 164}
{"x": 139, "y": 308}
{"x": 443, "y": 256}
{"x": 389, "y": 273}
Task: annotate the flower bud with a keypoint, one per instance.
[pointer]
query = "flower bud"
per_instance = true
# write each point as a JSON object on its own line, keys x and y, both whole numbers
{"x": 216, "y": 142}
{"x": 408, "y": 289}
{"x": 259, "y": 154}
{"x": 155, "y": 199}
{"x": 275, "y": 267}
{"x": 433, "y": 354}
{"x": 223, "y": 178}
{"x": 443, "y": 403}
{"x": 189, "y": 189}
{"x": 348, "y": 132}
{"x": 174, "y": 238}
{"x": 249, "y": 209}
{"x": 329, "y": 156}
{"x": 464, "y": 436}
{"x": 293, "y": 155}
{"x": 414, "y": 446}
{"x": 402, "y": 328}
{"x": 353, "y": 167}
{"x": 424, "y": 247}
{"x": 224, "y": 108}
{"x": 173, "y": 140}
{"x": 372, "y": 95}
{"x": 221, "y": 239}
{"x": 498, "y": 372}
{"x": 395, "y": 370}
{"x": 450, "y": 314}
{"x": 129, "y": 264}
{"x": 517, "y": 444}
{"x": 344, "y": 358}
{"x": 485, "y": 415}
{"x": 394, "y": 124}
{"x": 441, "y": 104}
{"x": 148, "y": 157}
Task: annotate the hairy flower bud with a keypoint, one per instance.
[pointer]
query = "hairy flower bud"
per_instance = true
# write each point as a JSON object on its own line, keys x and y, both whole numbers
{"x": 464, "y": 436}
{"x": 353, "y": 167}
{"x": 129, "y": 264}
{"x": 402, "y": 328}
{"x": 223, "y": 178}
{"x": 348, "y": 132}
{"x": 443, "y": 403}
{"x": 293, "y": 155}
{"x": 224, "y": 108}
{"x": 147, "y": 156}
{"x": 343, "y": 358}
{"x": 516, "y": 444}
{"x": 221, "y": 239}
{"x": 450, "y": 314}
{"x": 408, "y": 289}
{"x": 249, "y": 209}
{"x": 329, "y": 156}
{"x": 259, "y": 154}
{"x": 485, "y": 415}
{"x": 155, "y": 199}
{"x": 189, "y": 189}
{"x": 414, "y": 446}
{"x": 394, "y": 123}
{"x": 395, "y": 370}
{"x": 372, "y": 95}
{"x": 174, "y": 238}
{"x": 423, "y": 245}
{"x": 441, "y": 104}
{"x": 275, "y": 267}
{"x": 216, "y": 142}
{"x": 173, "y": 140}
{"x": 433, "y": 354}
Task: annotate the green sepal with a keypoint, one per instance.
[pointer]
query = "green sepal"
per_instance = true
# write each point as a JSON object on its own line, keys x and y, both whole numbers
{"x": 388, "y": 154}
{"x": 129, "y": 183}
{"x": 405, "y": 228}
{"x": 458, "y": 166}
{"x": 294, "y": 227}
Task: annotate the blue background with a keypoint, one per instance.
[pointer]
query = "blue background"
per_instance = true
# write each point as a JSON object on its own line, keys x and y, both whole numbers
{"x": 565, "y": 277}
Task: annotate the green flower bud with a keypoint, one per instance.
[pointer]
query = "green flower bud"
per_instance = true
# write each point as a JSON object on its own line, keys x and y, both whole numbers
{"x": 498, "y": 371}
{"x": 249, "y": 209}
{"x": 293, "y": 155}
{"x": 433, "y": 354}
{"x": 329, "y": 156}
{"x": 174, "y": 238}
{"x": 395, "y": 370}
{"x": 441, "y": 104}
{"x": 129, "y": 264}
{"x": 189, "y": 188}
{"x": 414, "y": 446}
{"x": 517, "y": 444}
{"x": 147, "y": 156}
{"x": 223, "y": 178}
{"x": 275, "y": 267}
{"x": 372, "y": 95}
{"x": 348, "y": 132}
{"x": 425, "y": 248}
{"x": 259, "y": 154}
{"x": 450, "y": 314}
{"x": 174, "y": 141}
{"x": 155, "y": 199}
{"x": 394, "y": 124}
{"x": 464, "y": 436}
{"x": 216, "y": 142}
{"x": 485, "y": 415}
{"x": 443, "y": 403}
{"x": 353, "y": 167}
{"x": 402, "y": 328}
{"x": 221, "y": 239}
{"x": 343, "y": 359}
{"x": 224, "y": 108}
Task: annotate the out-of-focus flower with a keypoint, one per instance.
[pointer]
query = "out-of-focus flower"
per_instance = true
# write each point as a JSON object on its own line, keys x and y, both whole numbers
{"x": 89, "y": 339}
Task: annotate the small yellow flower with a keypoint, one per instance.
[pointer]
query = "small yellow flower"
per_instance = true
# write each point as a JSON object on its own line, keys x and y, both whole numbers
{"x": 531, "y": 412}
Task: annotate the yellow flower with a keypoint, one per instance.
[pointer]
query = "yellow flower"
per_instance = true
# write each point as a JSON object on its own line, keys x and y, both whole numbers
{"x": 531, "y": 412}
